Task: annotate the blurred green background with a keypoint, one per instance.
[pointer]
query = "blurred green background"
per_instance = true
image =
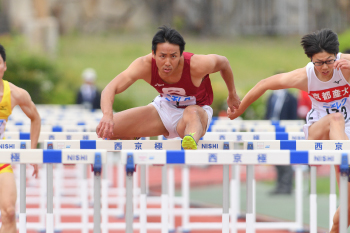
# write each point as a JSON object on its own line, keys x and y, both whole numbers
{"x": 57, "y": 80}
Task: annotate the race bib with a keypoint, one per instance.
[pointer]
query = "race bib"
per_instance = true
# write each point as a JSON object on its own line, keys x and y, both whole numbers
{"x": 179, "y": 101}
{"x": 2, "y": 128}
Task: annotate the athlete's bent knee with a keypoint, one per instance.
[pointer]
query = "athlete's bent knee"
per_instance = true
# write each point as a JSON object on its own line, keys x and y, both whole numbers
{"x": 337, "y": 117}
{"x": 8, "y": 213}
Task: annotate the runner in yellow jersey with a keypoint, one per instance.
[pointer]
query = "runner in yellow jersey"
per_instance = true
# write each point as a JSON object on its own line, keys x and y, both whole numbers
{"x": 11, "y": 96}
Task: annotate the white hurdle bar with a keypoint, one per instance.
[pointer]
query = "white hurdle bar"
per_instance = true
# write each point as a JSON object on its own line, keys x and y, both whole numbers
{"x": 119, "y": 145}
{"x": 52, "y": 128}
{"x": 308, "y": 145}
{"x": 49, "y": 157}
{"x": 53, "y": 136}
{"x": 255, "y": 128}
{"x": 227, "y": 121}
{"x": 246, "y": 157}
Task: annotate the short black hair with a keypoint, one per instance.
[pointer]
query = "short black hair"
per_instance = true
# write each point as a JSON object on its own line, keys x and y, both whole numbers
{"x": 324, "y": 40}
{"x": 167, "y": 34}
{"x": 2, "y": 53}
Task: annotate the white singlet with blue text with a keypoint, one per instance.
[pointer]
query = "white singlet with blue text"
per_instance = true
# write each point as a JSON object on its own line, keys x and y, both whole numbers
{"x": 327, "y": 97}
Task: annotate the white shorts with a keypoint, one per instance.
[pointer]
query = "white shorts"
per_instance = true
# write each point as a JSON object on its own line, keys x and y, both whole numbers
{"x": 170, "y": 115}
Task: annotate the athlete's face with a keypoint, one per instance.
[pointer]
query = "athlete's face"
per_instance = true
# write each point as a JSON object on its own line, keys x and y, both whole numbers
{"x": 324, "y": 64}
{"x": 167, "y": 58}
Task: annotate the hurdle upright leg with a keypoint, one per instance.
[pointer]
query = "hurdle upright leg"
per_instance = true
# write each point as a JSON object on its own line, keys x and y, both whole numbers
{"x": 42, "y": 198}
{"x": 343, "y": 221}
{"x": 165, "y": 200}
{"x": 249, "y": 204}
{"x": 344, "y": 176}
{"x": 171, "y": 190}
{"x": 84, "y": 199}
{"x": 225, "y": 199}
{"x": 135, "y": 193}
{"x": 313, "y": 201}
{"x": 58, "y": 188}
{"x": 121, "y": 190}
{"x": 143, "y": 204}
{"x": 97, "y": 203}
{"x": 49, "y": 213}
{"x": 129, "y": 215}
{"x": 332, "y": 196}
{"x": 299, "y": 197}
{"x": 185, "y": 197}
{"x": 234, "y": 194}
{"x": 22, "y": 200}
{"x": 105, "y": 199}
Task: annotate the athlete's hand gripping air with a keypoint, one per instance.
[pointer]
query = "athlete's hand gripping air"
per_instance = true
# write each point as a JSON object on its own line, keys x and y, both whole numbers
{"x": 105, "y": 127}
{"x": 233, "y": 102}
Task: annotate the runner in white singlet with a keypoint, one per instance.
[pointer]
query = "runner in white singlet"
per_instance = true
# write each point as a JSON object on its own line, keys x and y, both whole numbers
{"x": 326, "y": 79}
{"x": 327, "y": 97}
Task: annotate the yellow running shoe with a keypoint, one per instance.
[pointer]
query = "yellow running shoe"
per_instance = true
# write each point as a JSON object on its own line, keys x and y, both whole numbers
{"x": 188, "y": 143}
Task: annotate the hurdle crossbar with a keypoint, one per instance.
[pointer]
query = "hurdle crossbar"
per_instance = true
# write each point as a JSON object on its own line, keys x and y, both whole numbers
{"x": 225, "y": 157}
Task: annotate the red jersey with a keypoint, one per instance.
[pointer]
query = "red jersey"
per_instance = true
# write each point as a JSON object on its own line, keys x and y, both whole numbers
{"x": 183, "y": 93}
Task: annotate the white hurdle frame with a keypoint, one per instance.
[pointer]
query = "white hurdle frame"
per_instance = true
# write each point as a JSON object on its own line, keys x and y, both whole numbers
{"x": 48, "y": 157}
{"x": 309, "y": 145}
{"x": 110, "y": 145}
{"x": 248, "y": 158}
{"x": 103, "y": 144}
{"x": 243, "y": 136}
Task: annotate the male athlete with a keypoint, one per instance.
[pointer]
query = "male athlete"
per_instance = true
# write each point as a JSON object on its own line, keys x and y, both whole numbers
{"x": 326, "y": 79}
{"x": 11, "y": 96}
{"x": 182, "y": 80}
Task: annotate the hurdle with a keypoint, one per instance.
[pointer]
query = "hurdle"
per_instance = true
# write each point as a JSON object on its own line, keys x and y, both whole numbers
{"x": 49, "y": 157}
{"x": 119, "y": 145}
{"x": 225, "y": 157}
{"x": 308, "y": 145}
{"x": 142, "y": 145}
{"x": 235, "y": 137}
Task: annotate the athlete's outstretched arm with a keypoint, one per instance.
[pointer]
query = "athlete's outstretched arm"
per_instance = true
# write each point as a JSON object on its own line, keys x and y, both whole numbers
{"x": 138, "y": 69}
{"x": 28, "y": 107}
{"x": 212, "y": 63}
{"x": 294, "y": 79}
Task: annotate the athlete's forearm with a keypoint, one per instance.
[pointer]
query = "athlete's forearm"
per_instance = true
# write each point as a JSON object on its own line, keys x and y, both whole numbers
{"x": 107, "y": 100}
{"x": 35, "y": 127}
{"x": 227, "y": 76}
{"x": 258, "y": 90}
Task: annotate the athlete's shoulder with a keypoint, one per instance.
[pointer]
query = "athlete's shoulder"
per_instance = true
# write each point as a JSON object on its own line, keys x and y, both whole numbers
{"x": 145, "y": 60}
{"x": 18, "y": 93}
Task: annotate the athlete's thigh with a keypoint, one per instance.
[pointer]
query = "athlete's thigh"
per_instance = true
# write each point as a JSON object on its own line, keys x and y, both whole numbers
{"x": 181, "y": 125}
{"x": 8, "y": 192}
{"x": 320, "y": 129}
{"x": 138, "y": 122}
